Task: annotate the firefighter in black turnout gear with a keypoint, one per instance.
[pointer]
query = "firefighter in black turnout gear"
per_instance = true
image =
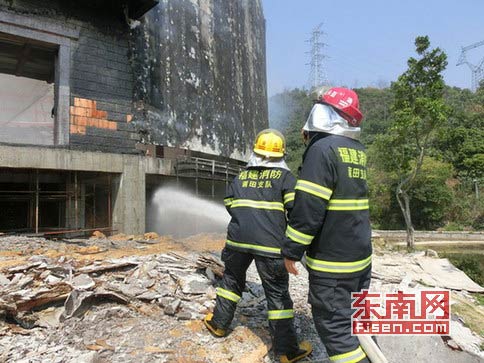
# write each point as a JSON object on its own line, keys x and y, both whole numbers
{"x": 330, "y": 221}
{"x": 257, "y": 201}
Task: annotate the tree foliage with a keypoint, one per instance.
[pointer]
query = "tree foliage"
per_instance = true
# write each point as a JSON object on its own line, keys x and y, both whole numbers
{"x": 375, "y": 105}
{"x": 418, "y": 110}
{"x": 415, "y": 111}
{"x": 461, "y": 138}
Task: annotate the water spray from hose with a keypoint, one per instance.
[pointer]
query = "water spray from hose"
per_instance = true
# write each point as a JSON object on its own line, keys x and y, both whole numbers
{"x": 178, "y": 212}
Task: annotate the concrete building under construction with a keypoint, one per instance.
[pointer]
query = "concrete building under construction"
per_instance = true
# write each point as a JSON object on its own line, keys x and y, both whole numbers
{"x": 101, "y": 101}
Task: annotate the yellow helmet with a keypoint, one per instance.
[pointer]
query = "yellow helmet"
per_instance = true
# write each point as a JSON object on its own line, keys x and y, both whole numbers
{"x": 271, "y": 143}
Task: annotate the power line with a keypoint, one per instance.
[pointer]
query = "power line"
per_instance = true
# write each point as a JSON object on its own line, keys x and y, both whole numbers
{"x": 476, "y": 70}
{"x": 317, "y": 73}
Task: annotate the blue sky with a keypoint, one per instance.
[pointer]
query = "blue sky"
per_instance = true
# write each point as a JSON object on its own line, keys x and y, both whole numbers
{"x": 368, "y": 41}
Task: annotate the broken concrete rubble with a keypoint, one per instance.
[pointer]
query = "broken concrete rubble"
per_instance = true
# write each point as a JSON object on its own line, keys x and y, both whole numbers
{"x": 149, "y": 308}
{"x": 80, "y": 301}
{"x": 82, "y": 282}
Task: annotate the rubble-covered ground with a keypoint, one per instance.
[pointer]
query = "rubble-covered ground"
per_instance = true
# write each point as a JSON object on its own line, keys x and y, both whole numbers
{"x": 142, "y": 298}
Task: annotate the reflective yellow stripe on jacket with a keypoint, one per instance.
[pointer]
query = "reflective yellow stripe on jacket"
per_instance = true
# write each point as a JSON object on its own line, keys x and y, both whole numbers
{"x": 299, "y": 237}
{"x": 250, "y": 246}
{"x": 314, "y": 189}
{"x": 338, "y": 267}
{"x": 249, "y": 203}
{"x": 348, "y": 204}
{"x": 228, "y": 202}
{"x": 289, "y": 197}
{"x": 351, "y": 357}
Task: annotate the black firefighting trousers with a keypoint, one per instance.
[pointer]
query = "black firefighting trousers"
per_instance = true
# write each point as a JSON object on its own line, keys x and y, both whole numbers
{"x": 330, "y": 301}
{"x": 275, "y": 281}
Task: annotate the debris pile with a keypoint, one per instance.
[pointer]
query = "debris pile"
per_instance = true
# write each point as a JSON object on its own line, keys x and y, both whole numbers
{"x": 145, "y": 307}
{"x": 122, "y": 300}
{"x": 164, "y": 279}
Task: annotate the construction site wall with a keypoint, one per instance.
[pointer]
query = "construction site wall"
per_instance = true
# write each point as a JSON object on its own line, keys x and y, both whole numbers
{"x": 97, "y": 73}
{"x": 200, "y": 78}
{"x": 186, "y": 74}
{"x": 189, "y": 75}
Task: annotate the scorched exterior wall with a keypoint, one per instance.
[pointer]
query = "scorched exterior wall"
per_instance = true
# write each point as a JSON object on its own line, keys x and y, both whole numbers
{"x": 200, "y": 78}
{"x": 188, "y": 74}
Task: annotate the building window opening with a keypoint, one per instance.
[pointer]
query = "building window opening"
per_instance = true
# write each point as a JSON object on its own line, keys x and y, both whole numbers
{"x": 27, "y": 92}
{"x": 55, "y": 202}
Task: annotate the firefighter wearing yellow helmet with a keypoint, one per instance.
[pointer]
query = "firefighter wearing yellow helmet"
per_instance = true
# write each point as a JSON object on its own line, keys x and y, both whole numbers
{"x": 258, "y": 200}
{"x": 270, "y": 143}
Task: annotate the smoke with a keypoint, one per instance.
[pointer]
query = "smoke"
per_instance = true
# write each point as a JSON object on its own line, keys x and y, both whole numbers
{"x": 281, "y": 106}
{"x": 288, "y": 106}
{"x": 178, "y": 212}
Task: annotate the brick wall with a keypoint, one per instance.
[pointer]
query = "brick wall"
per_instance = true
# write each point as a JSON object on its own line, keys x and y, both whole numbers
{"x": 102, "y": 87}
{"x": 101, "y": 76}
{"x": 85, "y": 114}
{"x": 191, "y": 74}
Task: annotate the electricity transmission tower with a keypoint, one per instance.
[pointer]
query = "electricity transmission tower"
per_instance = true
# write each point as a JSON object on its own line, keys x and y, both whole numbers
{"x": 317, "y": 73}
{"x": 477, "y": 70}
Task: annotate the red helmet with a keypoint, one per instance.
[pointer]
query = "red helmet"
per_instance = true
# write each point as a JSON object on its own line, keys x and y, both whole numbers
{"x": 346, "y": 101}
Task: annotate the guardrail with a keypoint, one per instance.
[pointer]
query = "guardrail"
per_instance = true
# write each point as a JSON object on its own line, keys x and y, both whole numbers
{"x": 431, "y": 235}
{"x": 195, "y": 167}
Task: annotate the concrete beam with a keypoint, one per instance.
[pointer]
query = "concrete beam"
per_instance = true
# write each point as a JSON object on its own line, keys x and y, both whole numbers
{"x": 48, "y": 26}
{"x": 37, "y": 157}
{"x": 129, "y": 194}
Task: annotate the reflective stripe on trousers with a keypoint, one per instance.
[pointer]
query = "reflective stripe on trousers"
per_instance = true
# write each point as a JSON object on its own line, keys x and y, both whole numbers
{"x": 229, "y": 295}
{"x": 280, "y": 314}
{"x": 351, "y": 357}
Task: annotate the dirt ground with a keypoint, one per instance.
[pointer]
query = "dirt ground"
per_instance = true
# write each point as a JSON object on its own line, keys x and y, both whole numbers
{"x": 14, "y": 251}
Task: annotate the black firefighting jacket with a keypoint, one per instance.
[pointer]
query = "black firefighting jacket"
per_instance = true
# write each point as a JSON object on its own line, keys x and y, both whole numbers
{"x": 330, "y": 218}
{"x": 257, "y": 200}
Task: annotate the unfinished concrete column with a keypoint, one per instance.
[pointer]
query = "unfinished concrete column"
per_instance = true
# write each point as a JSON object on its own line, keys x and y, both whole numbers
{"x": 129, "y": 201}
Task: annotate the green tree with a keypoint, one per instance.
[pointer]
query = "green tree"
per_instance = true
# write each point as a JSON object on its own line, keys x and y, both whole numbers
{"x": 433, "y": 196}
{"x": 417, "y": 110}
{"x": 461, "y": 139}
{"x": 375, "y": 105}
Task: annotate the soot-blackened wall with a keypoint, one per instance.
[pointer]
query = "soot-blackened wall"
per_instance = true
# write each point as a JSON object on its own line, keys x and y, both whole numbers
{"x": 200, "y": 76}
{"x": 189, "y": 73}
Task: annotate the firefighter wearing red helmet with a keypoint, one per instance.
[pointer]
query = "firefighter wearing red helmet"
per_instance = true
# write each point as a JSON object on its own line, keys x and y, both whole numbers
{"x": 330, "y": 220}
